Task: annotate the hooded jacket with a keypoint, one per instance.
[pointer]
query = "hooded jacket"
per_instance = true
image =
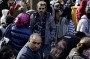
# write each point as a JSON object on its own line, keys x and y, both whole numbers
{"x": 4, "y": 14}
{"x": 19, "y": 32}
{"x": 84, "y": 25}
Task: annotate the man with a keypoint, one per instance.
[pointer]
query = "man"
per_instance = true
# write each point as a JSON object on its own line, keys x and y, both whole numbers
{"x": 76, "y": 53}
{"x": 30, "y": 50}
{"x": 84, "y": 23}
{"x": 43, "y": 23}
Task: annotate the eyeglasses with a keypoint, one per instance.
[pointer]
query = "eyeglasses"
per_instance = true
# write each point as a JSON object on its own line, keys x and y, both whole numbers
{"x": 36, "y": 43}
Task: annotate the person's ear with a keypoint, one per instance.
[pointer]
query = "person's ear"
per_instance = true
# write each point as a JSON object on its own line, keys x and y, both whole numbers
{"x": 79, "y": 45}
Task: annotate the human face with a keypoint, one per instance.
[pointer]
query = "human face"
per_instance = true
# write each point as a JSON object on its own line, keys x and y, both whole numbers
{"x": 41, "y": 9}
{"x": 35, "y": 43}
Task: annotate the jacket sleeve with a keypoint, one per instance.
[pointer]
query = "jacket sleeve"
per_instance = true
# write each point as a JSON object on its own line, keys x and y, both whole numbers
{"x": 52, "y": 28}
{"x": 7, "y": 32}
{"x": 32, "y": 21}
{"x": 71, "y": 28}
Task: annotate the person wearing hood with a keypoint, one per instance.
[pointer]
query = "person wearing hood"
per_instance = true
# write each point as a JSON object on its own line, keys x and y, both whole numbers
{"x": 81, "y": 10}
{"x": 84, "y": 23}
{"x": 19, "y": 32}
{"x": 5, "y": 13}
{"x": 77, "y": 2}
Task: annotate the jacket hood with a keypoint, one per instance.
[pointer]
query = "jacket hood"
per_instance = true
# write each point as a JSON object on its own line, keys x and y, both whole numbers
{"x": 5, "y": 12}
{"x": 84, "y": 17}
{"x": 23, "y": 19}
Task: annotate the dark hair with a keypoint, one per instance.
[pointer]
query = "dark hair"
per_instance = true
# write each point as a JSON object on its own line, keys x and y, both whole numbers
{"x": 9, "y": 19}
{"x": 63, "y": 47}
{"x": 80, "y": 34}
{"x": 88, "y": 13}
{"x": 6, "y": 52}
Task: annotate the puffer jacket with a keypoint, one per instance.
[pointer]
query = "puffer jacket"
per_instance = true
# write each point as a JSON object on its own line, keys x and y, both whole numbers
{"x": 18, "y": 36}
{"x": 50, "y": 27}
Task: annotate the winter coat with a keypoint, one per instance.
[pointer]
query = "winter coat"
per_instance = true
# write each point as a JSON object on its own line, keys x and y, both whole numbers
{"x": 19, "y": 32}
{"x": 49, "y": 28}
{"x": 27, "y": 53}
{"x": 18, "y": 36}
{"x": 84, "y": 25}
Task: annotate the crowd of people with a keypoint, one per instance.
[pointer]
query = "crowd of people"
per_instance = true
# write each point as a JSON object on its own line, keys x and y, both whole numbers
{"x": 46, "y": 33}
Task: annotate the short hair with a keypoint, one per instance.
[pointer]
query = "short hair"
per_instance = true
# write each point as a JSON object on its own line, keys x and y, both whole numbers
{"x": 33, "y": 35}
{"x": 80, "y": 34}
{"x": 85, "y": 41}
{"x": 42, "y": 3}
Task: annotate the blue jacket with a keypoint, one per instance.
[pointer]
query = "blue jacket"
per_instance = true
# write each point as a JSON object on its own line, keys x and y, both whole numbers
{"x": 50, "y": 27}
{"x": 27, "y": 53}
{"x": 18, "y": 36}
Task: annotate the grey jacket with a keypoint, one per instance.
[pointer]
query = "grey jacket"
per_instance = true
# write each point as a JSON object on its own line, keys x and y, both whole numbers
{"x": 74, "y": 55}
{"x": 49, "y": 29}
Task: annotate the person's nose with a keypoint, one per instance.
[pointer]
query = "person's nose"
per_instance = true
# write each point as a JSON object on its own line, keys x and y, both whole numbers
{"x": 37, "y": 45}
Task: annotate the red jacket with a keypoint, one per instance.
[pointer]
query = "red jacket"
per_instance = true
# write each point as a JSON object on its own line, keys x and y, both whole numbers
{"x": 13, "y": 8}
